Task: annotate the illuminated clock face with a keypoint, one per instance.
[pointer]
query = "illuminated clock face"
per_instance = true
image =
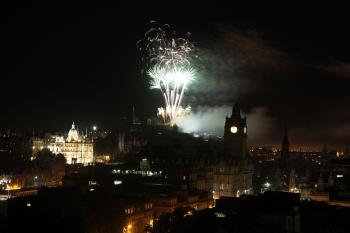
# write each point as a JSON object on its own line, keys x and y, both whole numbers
{"x": 245, "y": 129}
{"x": 234, "y": 129}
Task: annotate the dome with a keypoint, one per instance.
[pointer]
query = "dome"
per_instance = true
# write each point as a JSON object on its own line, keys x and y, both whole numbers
{"x": 73, "y": 134}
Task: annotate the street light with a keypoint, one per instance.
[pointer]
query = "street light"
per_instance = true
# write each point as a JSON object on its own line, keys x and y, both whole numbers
{"x": 94, "y": 127}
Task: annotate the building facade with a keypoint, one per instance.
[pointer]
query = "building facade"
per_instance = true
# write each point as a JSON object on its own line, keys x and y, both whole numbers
{"x": 233, "y": 179}
{"x": 76, "y": 148}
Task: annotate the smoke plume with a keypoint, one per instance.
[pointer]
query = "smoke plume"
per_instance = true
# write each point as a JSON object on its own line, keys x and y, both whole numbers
{"x": 211, "y": 120}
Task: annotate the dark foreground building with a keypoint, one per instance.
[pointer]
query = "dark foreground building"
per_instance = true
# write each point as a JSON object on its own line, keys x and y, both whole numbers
{"x": 272, "y": 212}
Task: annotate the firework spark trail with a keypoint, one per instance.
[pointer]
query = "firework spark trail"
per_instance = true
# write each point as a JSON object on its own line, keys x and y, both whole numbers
{"x": 172, "y": 82}
{"x": 171, "y": 71}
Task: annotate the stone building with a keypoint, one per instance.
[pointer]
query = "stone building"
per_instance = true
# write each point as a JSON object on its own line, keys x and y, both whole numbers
{"x": 234, "y": 173}
{"x": 76, "y": 147}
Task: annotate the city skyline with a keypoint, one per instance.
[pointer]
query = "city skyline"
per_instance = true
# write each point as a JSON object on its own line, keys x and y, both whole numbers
{"x": 71, "y": 63}
{"x": 174, "y": 118}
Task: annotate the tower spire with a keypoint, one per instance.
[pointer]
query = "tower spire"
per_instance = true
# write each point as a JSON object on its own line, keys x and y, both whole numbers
{"x": 236, "y": 111}
{"x": 133, "y": 115}
{"x": 285, "y": 130}
{"x": 285, "y": 162}
{"x": 285, "y": 144}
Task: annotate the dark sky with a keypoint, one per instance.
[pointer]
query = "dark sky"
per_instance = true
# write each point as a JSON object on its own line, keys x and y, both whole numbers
{"x": 63, "y": 62}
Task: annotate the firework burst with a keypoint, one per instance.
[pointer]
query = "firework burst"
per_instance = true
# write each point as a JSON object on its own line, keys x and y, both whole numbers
{"x": 171, "y": 69}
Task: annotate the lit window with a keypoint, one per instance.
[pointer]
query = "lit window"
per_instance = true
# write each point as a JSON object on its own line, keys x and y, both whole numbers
{"x": 118, "y": 182}
{"x": 221, "y": 186}
{"x": 219, "y": 215}
{"x": 92, "y": 182}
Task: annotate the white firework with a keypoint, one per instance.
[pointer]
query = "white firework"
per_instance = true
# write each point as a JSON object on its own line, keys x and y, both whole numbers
{"x": 171, "y": 71}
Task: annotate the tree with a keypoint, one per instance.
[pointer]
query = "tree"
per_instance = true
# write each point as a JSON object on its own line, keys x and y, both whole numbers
{"x": 60, "y": 158}
{"x": 45, "y": 158}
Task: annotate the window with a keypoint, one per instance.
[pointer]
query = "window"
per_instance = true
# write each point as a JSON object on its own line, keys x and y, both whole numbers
{"x": 221, "y": 186}
{"x": 128, "y": 211}
{"x": 118, "y": 182}
{"x": 92, "y": 182}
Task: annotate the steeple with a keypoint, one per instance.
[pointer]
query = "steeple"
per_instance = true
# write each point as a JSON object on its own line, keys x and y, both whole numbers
{"x": 285, "y": 145}
{"x": 285, "y": 164}
{"x": 236, "y": 111}
{"x": 73, "y": 125}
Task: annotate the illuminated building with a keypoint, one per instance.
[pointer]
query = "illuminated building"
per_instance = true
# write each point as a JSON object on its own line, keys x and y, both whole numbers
{"x": 76, "y": 148}
{"x": 166, "y": 204}
{"x": 138, "y": 215}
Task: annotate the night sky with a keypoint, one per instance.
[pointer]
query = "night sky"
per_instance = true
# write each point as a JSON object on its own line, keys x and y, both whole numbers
{"x": 291, "y": 64}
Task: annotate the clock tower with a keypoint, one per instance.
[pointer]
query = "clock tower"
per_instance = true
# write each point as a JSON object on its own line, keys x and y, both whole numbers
{"x": 235, "y": 137}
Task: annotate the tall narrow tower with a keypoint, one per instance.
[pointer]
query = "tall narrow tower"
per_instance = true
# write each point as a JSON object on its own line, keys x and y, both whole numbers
{"x": 285, "y": 146}
{"x": 235, "y": 137}
{"x": 285, "y": 166}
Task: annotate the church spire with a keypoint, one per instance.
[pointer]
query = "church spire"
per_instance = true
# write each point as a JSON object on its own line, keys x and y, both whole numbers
{"x": 285, "y": 144}
{"x": 285, "y": 164}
